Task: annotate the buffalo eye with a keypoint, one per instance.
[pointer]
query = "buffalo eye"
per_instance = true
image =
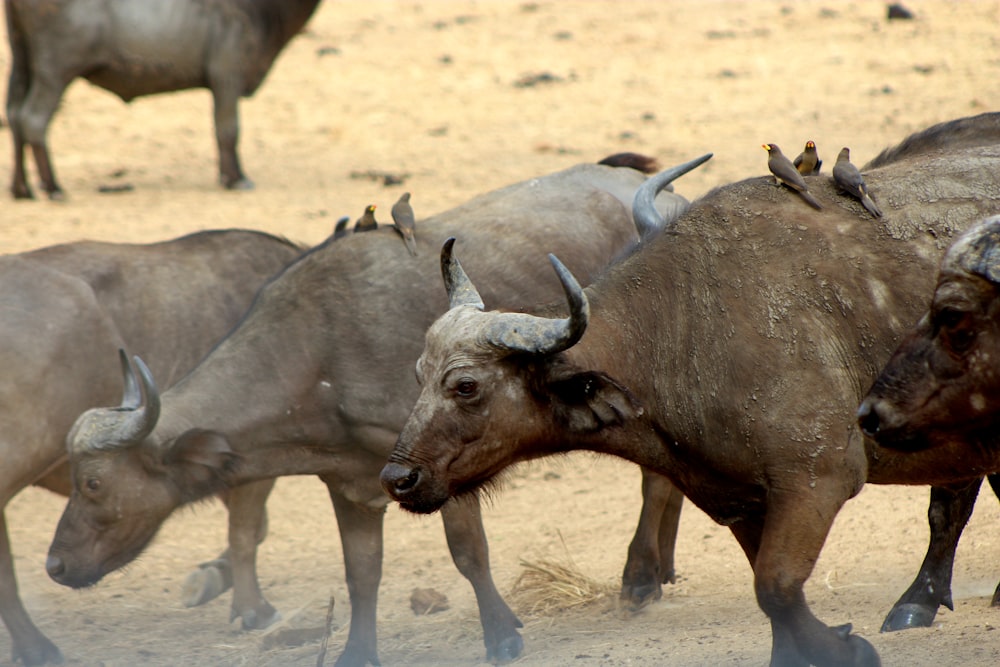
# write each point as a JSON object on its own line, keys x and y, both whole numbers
{"x": 956, "y": 328}
{"x": 466, "y": 388}
{"x": 93, "y": 484}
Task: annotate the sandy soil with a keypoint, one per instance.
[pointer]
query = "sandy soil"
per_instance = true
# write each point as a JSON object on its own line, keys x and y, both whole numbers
{"x": 431, "y": 91}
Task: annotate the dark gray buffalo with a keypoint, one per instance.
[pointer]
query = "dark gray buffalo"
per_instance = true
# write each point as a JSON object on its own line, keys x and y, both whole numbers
{"x": 936, "y": 401}
{"x": 65, "y": 311}
{"x": 318, "y": 379}
{"x": 728, "y": 356}
{"x": 134, "y": 48}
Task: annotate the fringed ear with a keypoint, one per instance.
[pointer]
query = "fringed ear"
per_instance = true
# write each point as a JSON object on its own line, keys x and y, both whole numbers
{"x": 200, "y": 461}
{"x": 588, "y": 401}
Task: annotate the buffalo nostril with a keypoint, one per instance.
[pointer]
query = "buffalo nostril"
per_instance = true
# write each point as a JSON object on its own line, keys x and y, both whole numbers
{"x": 398, "y": 480}
{"x": 406, "y": 483}
{"x": 868, "y": 419}
{"x": 54, "y": 566}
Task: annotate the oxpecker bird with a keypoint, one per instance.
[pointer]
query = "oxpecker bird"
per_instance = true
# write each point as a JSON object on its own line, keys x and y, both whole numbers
{"x": 808, "y": 162}
{"x": 340, "y": 229}
{"x": 402, "y": 219}
{"x": 366, "y": 222}
{"x": 849, "y": 180}
{"x": 785, "y": 173}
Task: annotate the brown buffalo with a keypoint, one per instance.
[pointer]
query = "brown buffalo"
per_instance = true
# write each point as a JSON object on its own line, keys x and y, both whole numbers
{"x": 728, "y": 356}
{"x": 134, "y": 48}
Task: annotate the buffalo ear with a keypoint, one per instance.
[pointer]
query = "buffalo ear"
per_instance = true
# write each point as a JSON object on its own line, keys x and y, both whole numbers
{"x": 203, "y": 459}
{"x": 588, "y": 401}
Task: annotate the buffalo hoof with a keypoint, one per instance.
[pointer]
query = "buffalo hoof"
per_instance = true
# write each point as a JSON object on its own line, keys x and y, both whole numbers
{"x": 355, "y": 657}
{"x": 256, "y": 619}
{"x": 507, "y": 650}
{"x": 208, "y": 582}
{"x": 41, "y": 652}
{"x": 906, "y": 616}
{"x": 241, "y": 183}
{"x": 637, "y": 597}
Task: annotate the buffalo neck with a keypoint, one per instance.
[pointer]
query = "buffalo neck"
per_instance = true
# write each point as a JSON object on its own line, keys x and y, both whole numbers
{"x": 638, "y": 335}
{"x": 284, "y": 18}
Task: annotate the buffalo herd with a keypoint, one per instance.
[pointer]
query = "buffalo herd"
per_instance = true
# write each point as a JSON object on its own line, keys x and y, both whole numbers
{"x": 763, "y": 358}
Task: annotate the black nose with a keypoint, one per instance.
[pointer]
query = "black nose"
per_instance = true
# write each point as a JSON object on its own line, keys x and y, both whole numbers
{"x": 54, "y": 566}
{"x": 399, "y": 480}
{"x": 868, "y": 419}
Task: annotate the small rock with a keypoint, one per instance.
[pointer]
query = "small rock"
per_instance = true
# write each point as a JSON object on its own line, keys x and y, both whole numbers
{"x": 897, "y": 11}
{"x": 425, "y": 601}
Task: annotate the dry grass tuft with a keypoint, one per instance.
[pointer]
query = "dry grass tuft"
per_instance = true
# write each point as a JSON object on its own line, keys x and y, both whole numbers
{"x": 547, "y": 586}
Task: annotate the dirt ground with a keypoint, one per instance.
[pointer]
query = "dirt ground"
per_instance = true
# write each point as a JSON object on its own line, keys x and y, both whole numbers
{"x": 439, "y": 92}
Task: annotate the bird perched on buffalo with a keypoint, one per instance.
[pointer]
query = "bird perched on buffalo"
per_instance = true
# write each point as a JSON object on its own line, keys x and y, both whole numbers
{"x": 849, "y": 180}
{"x": 808, "y": 162}
{"x": 403, "y": 221}
{"x": 785, "y": 173}
{"x": 366, "y": 222}
{"x": 340, "y": 229}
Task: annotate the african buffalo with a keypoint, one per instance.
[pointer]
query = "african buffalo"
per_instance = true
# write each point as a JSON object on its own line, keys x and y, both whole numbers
{"x": 133, "y": 48}
{"x": 323, "y": 365}
{"x": 728, "y": 356}
{"x": 935, "y": 399}
{"x": 66, "y": 309}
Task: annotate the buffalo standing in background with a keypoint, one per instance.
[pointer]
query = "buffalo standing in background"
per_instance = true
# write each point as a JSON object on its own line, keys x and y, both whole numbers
{"x": 65, "y": 310}
{"x": 318, "y": 380}
{"x": 134, "y": 48}
{"x": 728, "y": 356}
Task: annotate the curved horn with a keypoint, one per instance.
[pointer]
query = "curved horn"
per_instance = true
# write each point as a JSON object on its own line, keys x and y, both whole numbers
{"x": 978, "y": 250}
{"x": 648, "y": 220}
{"x": 141, "y": 417}
{"x": 519, "y": 332}
{"x": 461, "y": 291}
{"x": 131, "y": 395}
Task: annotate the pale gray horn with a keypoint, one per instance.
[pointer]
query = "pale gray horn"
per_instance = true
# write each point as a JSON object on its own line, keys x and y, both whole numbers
{"x": 648, "y": 220}
{"x": 461, "y": 291}
{"x": 141, "y": 415}
{"x": 978, "y": 250}
{"x": 131, "y": 394}
{"x": 519, "y": 332}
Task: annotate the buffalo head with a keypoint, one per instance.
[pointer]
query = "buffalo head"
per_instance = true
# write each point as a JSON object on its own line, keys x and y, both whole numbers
{"x": 495, "y": 391}
{"x": 124, "y": 485}
{"x": 942, "y": 384}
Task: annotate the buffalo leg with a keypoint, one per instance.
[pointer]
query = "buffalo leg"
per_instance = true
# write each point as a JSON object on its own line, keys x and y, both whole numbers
{"x": 17, "y": 90}
{"x": 995, "y": 485}
{"x": 225, "y": 97}
{"x": 949, "y": 510}
{"x": 650, "y": 560}
{"x": 247, "y": 529}
{"x": 33, "y": 119}
{"x": 784, "y": 551}
{"x": 463, "y": 527}
{"x": 28, "y": 644}
{"x": 361, "y": 537}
